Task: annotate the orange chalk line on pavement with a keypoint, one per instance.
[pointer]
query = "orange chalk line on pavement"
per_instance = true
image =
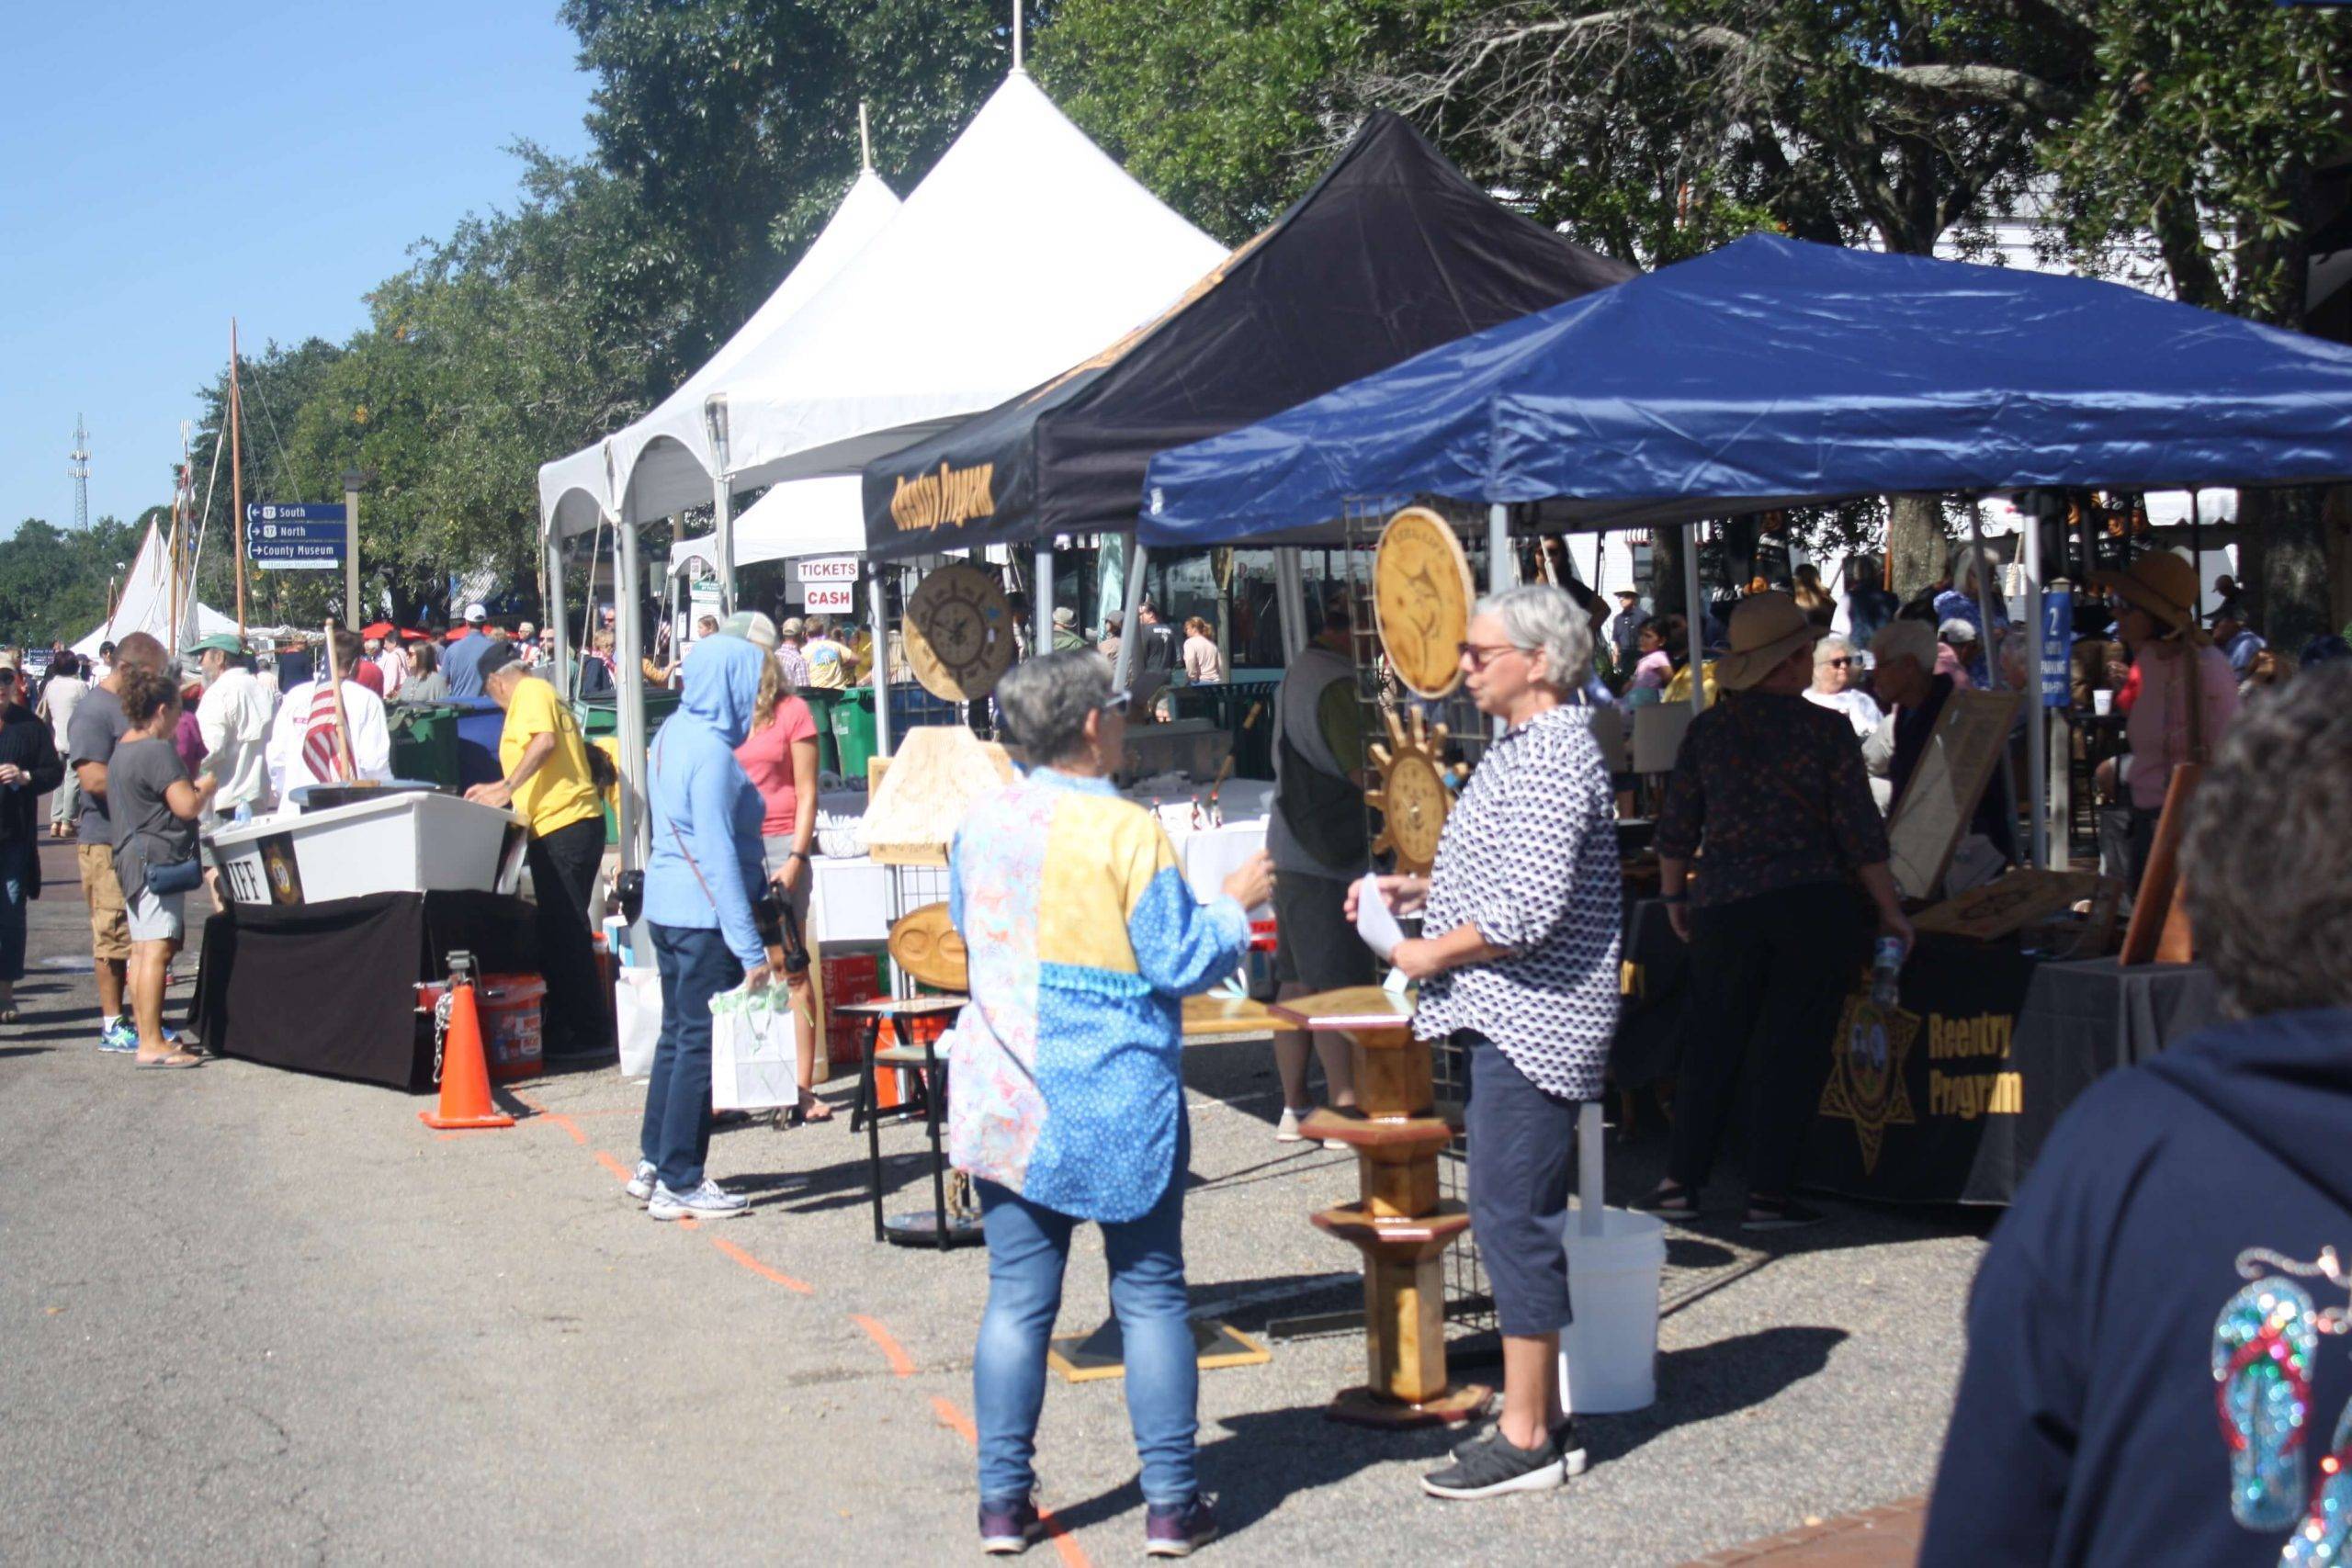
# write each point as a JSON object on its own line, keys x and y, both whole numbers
{"x": 1072, "y": 1555}
{"x": 615, "y": 1167}
{"x": 756, "y": 1267}
{"x": 901, "y": 1364}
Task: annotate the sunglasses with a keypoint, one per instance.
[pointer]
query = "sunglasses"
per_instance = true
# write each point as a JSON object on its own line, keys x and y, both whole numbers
{"x": 1480, "y": 655}
{"x": 1115, "y": 702}
{"x": 1837, "y": 663}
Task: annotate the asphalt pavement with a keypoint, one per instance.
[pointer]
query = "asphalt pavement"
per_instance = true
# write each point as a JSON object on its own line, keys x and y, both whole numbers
{"x": 255, "y": 1315}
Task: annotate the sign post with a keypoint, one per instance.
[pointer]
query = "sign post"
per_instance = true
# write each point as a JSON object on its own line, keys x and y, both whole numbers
{"x": 353, "y": 478}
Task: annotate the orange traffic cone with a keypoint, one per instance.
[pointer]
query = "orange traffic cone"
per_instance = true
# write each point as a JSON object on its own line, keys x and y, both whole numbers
{"x": 465, "y": 1072}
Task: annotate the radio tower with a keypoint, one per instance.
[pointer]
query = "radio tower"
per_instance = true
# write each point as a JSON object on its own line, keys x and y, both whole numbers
{"x": 80, "y": 469}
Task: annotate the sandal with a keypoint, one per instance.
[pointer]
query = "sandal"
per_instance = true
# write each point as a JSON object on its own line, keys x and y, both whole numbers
{"x": 2263, "y": 1345}
{"x": 1669, "y": 1201}
{"x": 811, "y": 1109}
{"x": 176, "y": 1060}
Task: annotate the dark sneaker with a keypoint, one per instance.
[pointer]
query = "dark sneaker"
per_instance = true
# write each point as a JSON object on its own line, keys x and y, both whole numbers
{"x": 1670, "y": 1202}
{"x": 1494, "y": 1465}
{"x": 1779, "y": 1214}
{"x": 1178, "y": 1529}
{"x": 1010, "y": 1529}
{"x": 1564, "y": 1437}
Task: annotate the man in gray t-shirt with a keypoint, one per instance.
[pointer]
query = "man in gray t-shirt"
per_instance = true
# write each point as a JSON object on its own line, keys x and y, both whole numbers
{"x": 90, "y": 739}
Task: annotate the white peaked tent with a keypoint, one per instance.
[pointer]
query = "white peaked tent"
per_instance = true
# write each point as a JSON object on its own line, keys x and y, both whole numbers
{"x": 669, "y": 453}
{"x": 145, "y": 605}
{"x": 1024, "y": 251}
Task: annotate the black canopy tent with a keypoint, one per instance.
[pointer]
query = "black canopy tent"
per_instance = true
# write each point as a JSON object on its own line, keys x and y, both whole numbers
{"x": 1391, "y": 253}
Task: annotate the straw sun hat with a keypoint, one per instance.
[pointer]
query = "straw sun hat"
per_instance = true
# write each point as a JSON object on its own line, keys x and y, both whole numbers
{"x": 1765, "y": 629}
{"x": 2160, "y": 582}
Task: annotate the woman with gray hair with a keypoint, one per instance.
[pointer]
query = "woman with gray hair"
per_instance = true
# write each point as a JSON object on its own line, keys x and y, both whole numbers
{"x": 1518, "y": 967}
{"x": 1066, "y": 1105}
{"x": 1833, "y": 685}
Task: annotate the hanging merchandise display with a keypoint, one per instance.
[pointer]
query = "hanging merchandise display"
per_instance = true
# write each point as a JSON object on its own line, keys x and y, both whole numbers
{"x": 1421, "y": 594}
{"x": 959, "y": 632}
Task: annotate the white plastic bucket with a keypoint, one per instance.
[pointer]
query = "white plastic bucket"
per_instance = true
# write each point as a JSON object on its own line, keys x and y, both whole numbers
{"x": 1608, "y": 1355}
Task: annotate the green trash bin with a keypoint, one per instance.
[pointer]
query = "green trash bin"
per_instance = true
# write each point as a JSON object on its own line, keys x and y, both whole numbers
{"x": 821, "y": 704}
{"x": 424, "y": 743}
{"x": 853, "y": 729}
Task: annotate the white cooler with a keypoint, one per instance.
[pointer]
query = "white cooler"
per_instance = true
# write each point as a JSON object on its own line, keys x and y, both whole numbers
{"x": 412, "y": 841}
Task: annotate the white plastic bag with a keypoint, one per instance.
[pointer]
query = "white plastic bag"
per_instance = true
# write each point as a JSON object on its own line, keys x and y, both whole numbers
{"x": 637, "y": 1009}
{"x": 754, "y": 1038}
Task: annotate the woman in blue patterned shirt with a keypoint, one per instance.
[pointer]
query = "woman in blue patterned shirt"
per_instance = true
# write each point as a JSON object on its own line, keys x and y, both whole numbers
{"x": 1518, "y": 967}
{"x": 1066, "y": 1104}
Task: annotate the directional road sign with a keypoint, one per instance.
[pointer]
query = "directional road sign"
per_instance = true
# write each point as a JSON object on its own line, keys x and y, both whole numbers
{"x": 306, "y": 536}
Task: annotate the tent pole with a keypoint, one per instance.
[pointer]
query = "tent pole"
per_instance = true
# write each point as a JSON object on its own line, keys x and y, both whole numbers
{"x": 1289, "y": 601}
{"x": 1122, "y": 676}
{"x": 629, "y": 640}
{"x": 722, "y": 502}
{"x": 1044, "y": 595}
{"x": 552, "y": 548}
{"x": 1981, "y": 570}
{"x": 2036, "y": 728}
{"x": 1502, "y": 570}
{"x": 877, "y": 610}
{"x": 1694, "y": 636}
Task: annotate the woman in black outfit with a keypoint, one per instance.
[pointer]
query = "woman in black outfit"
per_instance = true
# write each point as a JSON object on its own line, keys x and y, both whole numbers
{"x": 29, "y": 769}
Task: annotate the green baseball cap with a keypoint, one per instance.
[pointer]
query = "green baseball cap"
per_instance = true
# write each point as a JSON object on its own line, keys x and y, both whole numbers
{"x": 227, "y": 642}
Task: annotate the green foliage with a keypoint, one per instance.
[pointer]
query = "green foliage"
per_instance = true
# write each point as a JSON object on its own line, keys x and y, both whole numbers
{"x": 2202, "y": 130}
{"x": 53, "y": 581}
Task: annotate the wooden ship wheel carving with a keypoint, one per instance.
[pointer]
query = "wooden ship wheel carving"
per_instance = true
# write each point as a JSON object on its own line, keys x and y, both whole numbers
{"x": 1415, "y": 791}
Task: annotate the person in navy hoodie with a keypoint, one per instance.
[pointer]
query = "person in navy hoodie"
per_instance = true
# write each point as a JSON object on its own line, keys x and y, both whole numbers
{"x": 2157, "y": 1369}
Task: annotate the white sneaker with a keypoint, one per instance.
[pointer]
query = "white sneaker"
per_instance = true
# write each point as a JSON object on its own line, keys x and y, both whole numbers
{"x": 1286, "y": 1130}
{"x": 641, "y": 1184}
{"x": 708, "y": 1202}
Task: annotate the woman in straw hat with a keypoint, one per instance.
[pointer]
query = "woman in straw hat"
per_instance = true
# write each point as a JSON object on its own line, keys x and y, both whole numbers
{"x": 2174, "y": 719}
{"x": 1774, "y": 787}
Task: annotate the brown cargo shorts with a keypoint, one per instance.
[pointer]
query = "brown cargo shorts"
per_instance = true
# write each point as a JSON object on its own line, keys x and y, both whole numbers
{"x": 109, "y": 926}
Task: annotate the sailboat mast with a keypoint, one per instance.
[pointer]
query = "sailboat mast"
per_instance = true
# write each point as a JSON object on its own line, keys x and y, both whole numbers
{"x": 236, "y": 476}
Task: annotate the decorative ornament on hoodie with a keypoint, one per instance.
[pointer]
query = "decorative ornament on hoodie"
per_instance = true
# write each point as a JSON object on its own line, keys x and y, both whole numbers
{"x": 2264, "y": 1345}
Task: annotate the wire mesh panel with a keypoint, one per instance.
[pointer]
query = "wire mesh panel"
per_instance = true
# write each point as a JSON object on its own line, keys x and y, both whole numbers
{"x": 1469, "y": 1304}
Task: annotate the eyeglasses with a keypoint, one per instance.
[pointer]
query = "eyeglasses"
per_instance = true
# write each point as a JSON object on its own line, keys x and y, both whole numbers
{"x": 1480, "y": 655}
{"x": 1115, "y": 702}
{"x": 1837, "y": 663}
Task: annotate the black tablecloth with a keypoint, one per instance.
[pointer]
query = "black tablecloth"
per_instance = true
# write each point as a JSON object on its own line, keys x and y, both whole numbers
{"x": 331, "y": 987}
{"x": 1993, "y": 1045}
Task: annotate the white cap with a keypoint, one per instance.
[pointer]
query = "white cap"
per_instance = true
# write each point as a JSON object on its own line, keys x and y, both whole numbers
{"x": 476, "y": 612}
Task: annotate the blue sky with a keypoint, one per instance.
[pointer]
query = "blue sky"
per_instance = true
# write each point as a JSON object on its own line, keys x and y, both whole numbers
{"x": 164, "y": 167}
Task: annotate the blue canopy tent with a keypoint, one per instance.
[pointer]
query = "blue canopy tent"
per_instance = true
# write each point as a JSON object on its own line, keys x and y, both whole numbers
{"x": 1772, "y": 374}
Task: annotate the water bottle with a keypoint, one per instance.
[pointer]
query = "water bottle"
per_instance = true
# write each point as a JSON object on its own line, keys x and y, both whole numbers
{"x": 1886, "y": 973}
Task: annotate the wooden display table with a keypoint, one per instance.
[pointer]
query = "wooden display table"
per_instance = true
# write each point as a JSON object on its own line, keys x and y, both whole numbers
{"x": 1398, "y": 1222}
{"x": 1225, "y": 1018}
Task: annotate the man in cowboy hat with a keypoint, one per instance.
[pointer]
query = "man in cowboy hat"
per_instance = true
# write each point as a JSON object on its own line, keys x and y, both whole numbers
{"x": 2187, "y": 692}
{"x": 1774, "y": 787}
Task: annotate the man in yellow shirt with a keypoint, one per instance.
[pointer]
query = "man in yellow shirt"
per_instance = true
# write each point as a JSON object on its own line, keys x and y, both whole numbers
{"x": 547, "y": 781}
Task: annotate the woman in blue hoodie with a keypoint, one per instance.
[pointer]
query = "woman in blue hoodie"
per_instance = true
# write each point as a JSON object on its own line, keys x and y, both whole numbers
{"x": 2158, "y": 1369}
{"x": 703, "y": 873}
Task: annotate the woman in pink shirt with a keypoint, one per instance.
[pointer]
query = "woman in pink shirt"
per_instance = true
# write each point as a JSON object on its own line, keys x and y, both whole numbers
{"x": 2156, "y": 618}
{"x": 780, "y": 758}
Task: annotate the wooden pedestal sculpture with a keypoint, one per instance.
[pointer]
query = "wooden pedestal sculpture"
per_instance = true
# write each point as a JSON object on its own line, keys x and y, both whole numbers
{"x": 1398, "y": 1222}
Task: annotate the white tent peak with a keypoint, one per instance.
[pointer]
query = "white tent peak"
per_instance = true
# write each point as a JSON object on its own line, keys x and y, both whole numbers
{"x": 682, "y": 459}
{"x": 1025, "y": 249}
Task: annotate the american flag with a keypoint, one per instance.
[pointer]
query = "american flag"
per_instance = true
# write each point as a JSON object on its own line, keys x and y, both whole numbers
{"x": 320, "y": 753}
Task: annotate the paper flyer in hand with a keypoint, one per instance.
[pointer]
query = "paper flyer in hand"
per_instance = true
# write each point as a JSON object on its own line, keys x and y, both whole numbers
{"x": 1376, "y": 922}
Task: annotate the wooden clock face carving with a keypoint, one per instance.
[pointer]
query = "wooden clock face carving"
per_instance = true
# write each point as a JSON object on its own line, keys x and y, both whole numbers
{"x": 1421, "y": 599}
{"x": 959, "y": 632}
{"x": 1415, "y": 792}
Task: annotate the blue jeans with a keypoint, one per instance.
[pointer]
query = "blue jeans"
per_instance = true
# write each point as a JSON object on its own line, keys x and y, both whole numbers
{"x": 17, "y": 867}
{"x": 1028, "y": 1250}
{"x": 695, "y": 966}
